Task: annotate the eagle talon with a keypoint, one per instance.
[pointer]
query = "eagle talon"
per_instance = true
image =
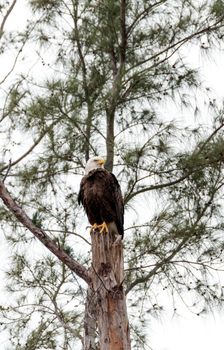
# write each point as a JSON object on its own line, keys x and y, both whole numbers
{"x": 100, "y": 228}
{"x": 94, "y": 227}
{"x": 103, "y": 227}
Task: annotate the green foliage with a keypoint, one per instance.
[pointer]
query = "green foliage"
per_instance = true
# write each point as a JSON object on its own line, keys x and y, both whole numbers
{"x": 87, "y": 69}
{"x": 44, "y": 5}
{"x": 38, "y": 289}
{"x": 217, "y": 8}
{"x": 39, "y": 339}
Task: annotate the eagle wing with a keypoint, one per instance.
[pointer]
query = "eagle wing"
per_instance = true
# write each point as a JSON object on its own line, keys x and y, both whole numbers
{"x": 81, "y": 191}
{"x": 119, "y": 204}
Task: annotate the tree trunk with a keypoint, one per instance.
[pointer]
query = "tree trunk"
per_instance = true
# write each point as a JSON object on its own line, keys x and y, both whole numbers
{"x": 90, "y": 322}
{"x": 110, "y": 139}
{"x": 107, "y": 276}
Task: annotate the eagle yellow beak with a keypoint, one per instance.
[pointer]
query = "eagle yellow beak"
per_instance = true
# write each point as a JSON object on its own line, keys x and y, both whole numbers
{"x": 101, "y": 161}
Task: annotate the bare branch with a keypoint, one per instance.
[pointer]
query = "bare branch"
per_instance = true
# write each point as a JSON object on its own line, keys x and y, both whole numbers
{"x": 158, "y": 265}
{"x": 6, "y": 16}
{"x": 180, "y": 42}
{"x": 175, "y": 251}
{"x": 210, "y": 137}
{"x": 7, "y": 172}
{"x": 132, "y": 194}
{"x": 22, "y": 217}
{"x": 30, "y": 149}
{"x": 155, "y": 187}
{"x": 71, "y": 233}
{"x": 140, "y": 16}
{"x": 202, "y": 263}
{"x": 14, "y": 63}
{"x": 20, "y": 50}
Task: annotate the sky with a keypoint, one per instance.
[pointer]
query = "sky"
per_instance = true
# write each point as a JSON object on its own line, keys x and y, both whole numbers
{"x": 185, "y": 331}
{"x": 188, "y": 331}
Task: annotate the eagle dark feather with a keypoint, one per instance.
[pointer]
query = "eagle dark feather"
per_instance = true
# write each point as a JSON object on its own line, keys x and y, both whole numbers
{"x": 101, "y": 197}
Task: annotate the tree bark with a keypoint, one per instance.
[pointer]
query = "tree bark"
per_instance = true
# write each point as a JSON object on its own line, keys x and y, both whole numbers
{"x": 107, "y": 277}
{"x": 110, "y": 139}
{"x": 90, "y": 322}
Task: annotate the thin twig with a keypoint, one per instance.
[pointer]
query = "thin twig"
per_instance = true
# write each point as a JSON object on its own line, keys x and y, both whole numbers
{"x": 71, "y": 233}
{"x": 30, "y": 149}
{"x": 7, "y": 171}
{"x": 6, "y": 16}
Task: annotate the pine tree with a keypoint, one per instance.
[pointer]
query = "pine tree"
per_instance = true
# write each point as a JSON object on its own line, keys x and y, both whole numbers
{"x": 99, "y": 79}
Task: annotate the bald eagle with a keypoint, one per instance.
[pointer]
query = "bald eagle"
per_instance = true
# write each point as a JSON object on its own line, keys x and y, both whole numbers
{"x": 101, "y": 197}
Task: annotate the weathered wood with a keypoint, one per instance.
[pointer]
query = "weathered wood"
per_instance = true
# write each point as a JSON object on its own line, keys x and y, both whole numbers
{"x": 90, "y": 322}
{"x": 107, "y": 277}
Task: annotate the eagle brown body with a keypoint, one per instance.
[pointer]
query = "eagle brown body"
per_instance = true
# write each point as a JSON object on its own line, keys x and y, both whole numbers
{"x": 101, "y": 197}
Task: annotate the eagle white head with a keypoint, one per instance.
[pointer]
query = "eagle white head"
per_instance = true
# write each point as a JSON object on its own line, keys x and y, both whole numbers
{"x": 94, "y": 163}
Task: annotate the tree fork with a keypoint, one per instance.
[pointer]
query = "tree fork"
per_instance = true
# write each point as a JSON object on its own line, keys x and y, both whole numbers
{"x": 107, "y": 277}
